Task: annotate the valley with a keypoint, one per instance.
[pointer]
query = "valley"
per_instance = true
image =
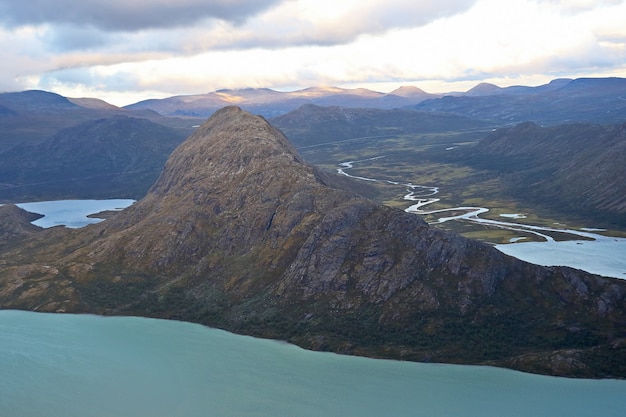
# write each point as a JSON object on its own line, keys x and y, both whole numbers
{"x": 417, "y": 160}
{"x": 591, "y": 249}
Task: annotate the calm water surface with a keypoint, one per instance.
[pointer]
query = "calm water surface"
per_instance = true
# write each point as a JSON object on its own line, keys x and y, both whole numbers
{"x": 55, "y": 365}
{"x": 72, "y": 213}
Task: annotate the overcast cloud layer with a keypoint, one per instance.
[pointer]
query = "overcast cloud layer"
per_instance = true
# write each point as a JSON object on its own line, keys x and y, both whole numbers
{"x": 124, "y": 51}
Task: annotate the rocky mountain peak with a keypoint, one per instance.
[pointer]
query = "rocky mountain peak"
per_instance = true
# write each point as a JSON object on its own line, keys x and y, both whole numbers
{"x": 230, "y": 143}
{"x": 235, "y": 183}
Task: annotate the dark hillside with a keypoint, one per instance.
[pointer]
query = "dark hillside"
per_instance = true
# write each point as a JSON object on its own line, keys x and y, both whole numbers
{"x": 29, "y": 117}
{"x": 575, "y": 168}
{"x": 313, "y": 125}
{"x": 107, "y": 158}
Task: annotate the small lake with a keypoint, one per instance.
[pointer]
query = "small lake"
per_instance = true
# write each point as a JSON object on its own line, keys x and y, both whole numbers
{"x": 61, "y": 365}
{"x": 72, "y": 213}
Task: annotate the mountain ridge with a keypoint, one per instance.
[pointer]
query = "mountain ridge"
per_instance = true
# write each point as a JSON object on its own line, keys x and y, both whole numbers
{"x": 311, "y": 124}
{"x": 588, "y": 100}
{"x": 271, "y": 103}
{"x": 489, "y": 98}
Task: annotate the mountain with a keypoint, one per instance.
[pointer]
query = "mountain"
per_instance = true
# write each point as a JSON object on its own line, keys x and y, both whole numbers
{"x": 594, "y": 100}
{"x": 484, "y": 89}
{"x": 410, "y": 92}
{"x": 93, "y": 103}
{"x": 270, "y": 103}
{"x": 239, "y": 233}
{"x": 33, "y": 116}
{"x": 488, "y": 89}
{"x": 33, "y": 100}
{"x": 577, "y": 168}
{"x": 588, "y": 100}
{"x": 114, "y": 157}
{"x": 312, "y": 124}
{"x": 54, "y": 147}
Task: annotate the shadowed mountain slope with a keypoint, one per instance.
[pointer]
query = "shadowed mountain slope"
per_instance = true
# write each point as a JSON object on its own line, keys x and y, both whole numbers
{"x": 576, "y": 168}
{"x": 29, "y": 117}
{"x": 114, "y": 157}
{"x": 240, "y": 233}
{"x": 313, "y": 125}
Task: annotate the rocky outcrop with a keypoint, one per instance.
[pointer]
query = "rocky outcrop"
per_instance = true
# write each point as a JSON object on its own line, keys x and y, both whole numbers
{"x": 16, "y": 222}
{"x": 240, "y": 233}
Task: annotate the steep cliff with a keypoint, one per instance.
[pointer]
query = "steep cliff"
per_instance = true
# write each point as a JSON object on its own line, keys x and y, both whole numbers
{"x": 240, "y": 233}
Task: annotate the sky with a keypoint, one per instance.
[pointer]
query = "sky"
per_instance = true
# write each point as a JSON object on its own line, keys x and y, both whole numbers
{"x": 125, "y": 51}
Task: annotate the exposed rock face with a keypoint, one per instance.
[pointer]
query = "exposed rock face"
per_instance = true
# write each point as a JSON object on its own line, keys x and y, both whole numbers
{"x": 240, "y": 233}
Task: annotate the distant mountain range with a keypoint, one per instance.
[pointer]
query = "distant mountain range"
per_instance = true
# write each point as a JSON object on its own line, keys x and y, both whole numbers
{"x": 240, "y": 233}
{"x": 584, "y": 100}
{"x": 592, "y": 100}
{"x": 270, "y": 103}
{"x": 33, "y": 116}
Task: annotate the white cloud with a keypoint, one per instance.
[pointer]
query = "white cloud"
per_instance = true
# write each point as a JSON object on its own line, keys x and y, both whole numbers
{"x": 301, "y": 43}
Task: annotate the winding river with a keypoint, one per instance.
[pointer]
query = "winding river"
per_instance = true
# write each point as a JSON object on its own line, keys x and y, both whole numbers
{"x": 585, "y": 250}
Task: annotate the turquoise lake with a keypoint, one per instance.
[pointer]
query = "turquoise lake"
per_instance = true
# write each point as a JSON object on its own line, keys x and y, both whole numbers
{"x": 61, "y": 365}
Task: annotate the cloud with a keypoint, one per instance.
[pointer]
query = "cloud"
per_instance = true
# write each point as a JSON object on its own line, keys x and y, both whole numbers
{"x": 578, "y": 6}
{"x": 188, "y": 27}
{"x": 127, "y": 15}
{"x": 328, "y": 22}
{"x": 300, "y": 43}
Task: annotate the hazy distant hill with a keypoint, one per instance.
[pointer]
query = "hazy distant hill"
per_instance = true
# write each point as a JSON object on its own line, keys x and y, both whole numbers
{"x": 114, "y": 157}
{"x": 589, "y": 100}
{"x": 560, "y": 101}
{"x": 57, "y": 147}
{"x": 33, "y": 116}
{"x": 270, "y": 103}
{"x": 577, "y": 168}
{"x": 487, "y": 89}
{"x": 240, "y": 233}
{"x": 311, "y": 124}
